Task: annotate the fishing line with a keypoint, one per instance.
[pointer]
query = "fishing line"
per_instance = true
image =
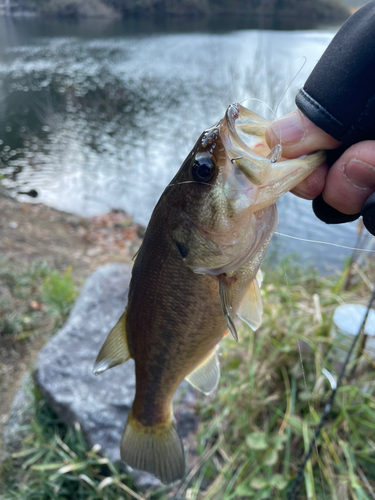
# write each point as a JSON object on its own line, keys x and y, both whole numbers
{"x": 291, "y": 82}
{"x": 334, "y": 385}
{"x": 259, "y": 100}
{"x": 302, "y": 239}
{"x": 337, "y": 245}
{"x": 274, "y": 111}
{"x": 297, "y": 481}
{"x": 325, "y": 243}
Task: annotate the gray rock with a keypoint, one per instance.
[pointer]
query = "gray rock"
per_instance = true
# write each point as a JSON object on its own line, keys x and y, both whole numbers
{"x": 21, "y": 413}
{"x": 64, "y": 369}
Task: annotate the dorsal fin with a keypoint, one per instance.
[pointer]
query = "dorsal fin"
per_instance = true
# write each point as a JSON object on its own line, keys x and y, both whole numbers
{"x": 206, "y": 376}
{"x": 251, "y": 307}
{"x": 115, "y": 350}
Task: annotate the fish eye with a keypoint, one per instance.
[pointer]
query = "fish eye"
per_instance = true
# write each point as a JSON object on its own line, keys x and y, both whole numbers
{"x": 203, "y": 169}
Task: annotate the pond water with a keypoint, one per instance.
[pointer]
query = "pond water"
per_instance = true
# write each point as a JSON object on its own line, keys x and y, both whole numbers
{"x": 100, "y": 115}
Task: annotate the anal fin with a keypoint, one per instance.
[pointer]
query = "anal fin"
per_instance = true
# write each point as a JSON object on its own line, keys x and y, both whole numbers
{"x": 251, "y": 308}
{"x": 115, "y": 350}
{"x": 206, "y": 376}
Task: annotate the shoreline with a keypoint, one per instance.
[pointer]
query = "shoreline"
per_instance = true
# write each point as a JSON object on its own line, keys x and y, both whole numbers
{"x": 327, "y": 11}
{"x": 35, "y": 235}
{"x": 270, "y": 366}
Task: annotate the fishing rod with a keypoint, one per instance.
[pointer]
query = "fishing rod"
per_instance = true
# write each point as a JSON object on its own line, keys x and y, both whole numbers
{"x": 294, "y": 490}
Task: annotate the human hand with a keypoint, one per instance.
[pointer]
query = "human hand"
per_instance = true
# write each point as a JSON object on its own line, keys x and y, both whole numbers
{"x": 351, "y": 179}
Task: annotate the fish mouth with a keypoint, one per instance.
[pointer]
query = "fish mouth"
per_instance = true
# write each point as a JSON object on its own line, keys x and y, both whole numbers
{"x": 247, "y": 131}
{"x": 243, "y": 133}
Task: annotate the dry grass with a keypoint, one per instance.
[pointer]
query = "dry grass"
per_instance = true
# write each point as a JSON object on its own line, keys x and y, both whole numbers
{"x": 273, "y": 393}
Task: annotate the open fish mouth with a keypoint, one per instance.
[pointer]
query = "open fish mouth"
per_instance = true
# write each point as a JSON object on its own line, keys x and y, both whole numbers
{"x": 243, "y": 134}
{"x": 247, "y": 131}
{"x": 236, "y": 215}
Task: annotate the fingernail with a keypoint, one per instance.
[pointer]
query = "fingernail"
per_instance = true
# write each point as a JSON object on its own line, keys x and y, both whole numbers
{"x": 359, "y": 174}
{"x": 289, "y": 129}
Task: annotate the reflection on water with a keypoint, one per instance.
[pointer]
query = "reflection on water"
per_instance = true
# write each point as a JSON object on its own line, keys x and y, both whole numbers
{"x": 101, "y": 116}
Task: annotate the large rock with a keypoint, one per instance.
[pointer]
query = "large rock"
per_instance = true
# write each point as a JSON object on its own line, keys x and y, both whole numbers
{"x": 64, "y": 369}
{"x": 21, "y": 414}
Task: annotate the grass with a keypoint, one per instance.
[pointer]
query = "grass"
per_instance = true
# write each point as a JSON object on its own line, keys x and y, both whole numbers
{"x": 55, "y": 463}
{"x": 59, "y": 292}
{"x": 258, "y": 425}
{"x": 34, "y": 302}
{"x": 273, "y": 392}
{"x": 29, "y": 293}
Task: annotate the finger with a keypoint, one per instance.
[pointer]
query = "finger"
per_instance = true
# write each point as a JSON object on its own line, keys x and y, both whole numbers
{"x": 313, "y": 185}
{"x": 298, "y": 135}
{"x": 351, "y": 179}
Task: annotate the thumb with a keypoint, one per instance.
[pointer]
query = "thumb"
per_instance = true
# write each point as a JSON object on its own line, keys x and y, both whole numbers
{"x": 298, "y": 135}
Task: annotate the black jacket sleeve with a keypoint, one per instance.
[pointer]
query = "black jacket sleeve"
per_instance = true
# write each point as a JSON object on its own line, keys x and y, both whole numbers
{"x": 339, "y": 97}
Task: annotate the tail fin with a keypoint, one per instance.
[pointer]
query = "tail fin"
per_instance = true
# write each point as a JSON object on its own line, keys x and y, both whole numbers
{"x": 155, "y": 449}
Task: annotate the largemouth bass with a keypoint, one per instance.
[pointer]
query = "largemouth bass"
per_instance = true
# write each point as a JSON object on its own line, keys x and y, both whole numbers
{"x": 194, "y": 273}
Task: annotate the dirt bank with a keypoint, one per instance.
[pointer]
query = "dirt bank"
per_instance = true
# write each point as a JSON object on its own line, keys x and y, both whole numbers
{"x": 31, "y": 234}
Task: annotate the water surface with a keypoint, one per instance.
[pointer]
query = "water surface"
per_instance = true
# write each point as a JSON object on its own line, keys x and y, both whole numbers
{"x": 101, "y": 115}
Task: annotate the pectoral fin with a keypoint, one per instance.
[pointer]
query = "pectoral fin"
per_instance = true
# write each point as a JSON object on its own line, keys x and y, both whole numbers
{"x": 251, "y": 307}
{"x": 225, "y": 294}
{"x": 115, "y": 350}
{"x": 206, "y": 376}
{"x": 259, "y": 278}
